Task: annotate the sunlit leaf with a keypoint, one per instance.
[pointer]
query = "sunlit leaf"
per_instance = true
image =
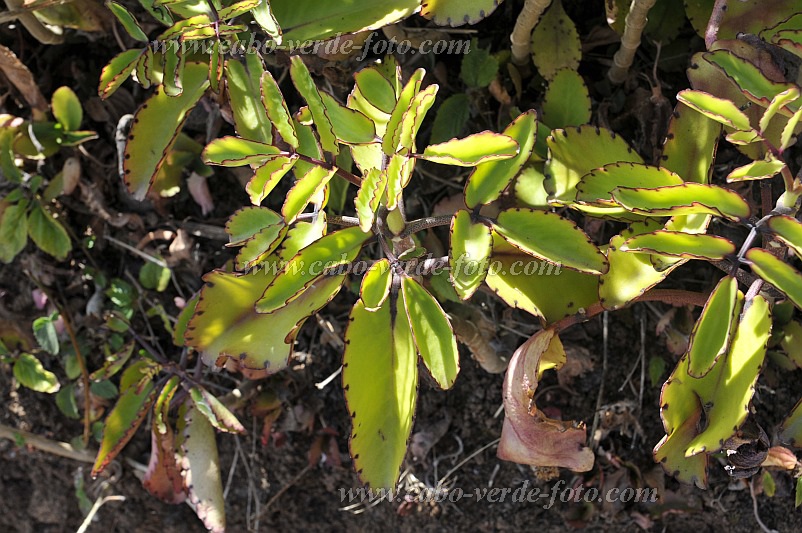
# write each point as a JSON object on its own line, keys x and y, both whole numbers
{"x": 213, "y": 409}
{"x": 379, "y": 344}
{"x": 392, "y": 135}
{"x": 248, "y": 221}
{"x": 266, "y": 177}
{"x": 306, "y": 190}
{"x": 472, "y": 150}
{"x": 376, "y": 285}
{"x": 349, "y": 126}
{"x": 686, "y": 199}
{"x": 432, "y": 332}
{"x": 784, "y": 277}
{"x": 277, "y": 111}
{"x": 719, "y": 109}
{"x": 156, "y": 125}
{"x": 128, "y": 21}
{"x": 548, "y": 236}
{"x": 13, "y": 230}
{"x": 256, "y": 344}
{"x": 371, "y": 191}
{"x": 303, "y": 81}
{"x": 537, "y": 286}
{"x": 457, "y": 12}
{"x": 376, "y": 89}
{"x": 471, "y": 244}
{"x": 712, "y": 333}
{"x": 789, "y": 231}
{"x": 306, "y": 267}
{"x": 574, "y": 152}
{"x": 235, "y": 151}
{"x": 29, "y": 372}
{"x": 690, "y": 145}
{"x": 681, "y": 244}
{"x": 243, "y": 84}
{"x": 757, "y": 170}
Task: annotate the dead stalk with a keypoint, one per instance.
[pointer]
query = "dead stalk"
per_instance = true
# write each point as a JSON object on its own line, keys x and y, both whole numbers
{"x": 522, "y": 33}
{"x": 630, "y": 41}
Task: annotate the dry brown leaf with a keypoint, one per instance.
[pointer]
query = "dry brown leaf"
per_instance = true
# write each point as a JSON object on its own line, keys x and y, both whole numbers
{"x": 19, "y": 75}
{"x": 528, "y": 436}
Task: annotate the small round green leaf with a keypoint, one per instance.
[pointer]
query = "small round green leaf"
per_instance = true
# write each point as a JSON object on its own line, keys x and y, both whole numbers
{"x": 28, "y": 370}
{"x": 67, "y": 108}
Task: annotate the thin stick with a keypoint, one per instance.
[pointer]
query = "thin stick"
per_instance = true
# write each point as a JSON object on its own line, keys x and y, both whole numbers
{"x": 95, "y": 508}
{"x": 630, "y": 41}
{"x": 763, "y": 526}
{"x": 471, "y": 456}
{"x": 522, "y": 33}
{"x": 61, "y": 449}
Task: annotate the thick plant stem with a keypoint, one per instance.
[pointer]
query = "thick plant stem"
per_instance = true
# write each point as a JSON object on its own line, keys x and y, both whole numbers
{"x": 711, "y": 34}
{"x": 630, "y": 41}
{"x": 521, "y": 36}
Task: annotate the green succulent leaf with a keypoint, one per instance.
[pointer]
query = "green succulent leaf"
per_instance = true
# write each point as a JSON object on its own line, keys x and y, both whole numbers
{"x": 249, "y": 221}
{"x": 379, "y": 344}
{"x": 256, "y": 344}
{"x": 123, "y": 421}
{"x": 276, "y": 108}
{"x": 128, "y": 21}
{"x": 310, "y": 20}
{"x": 574, "y": 152}
{"x": 471, "y": 245}
{"x": 550, "y": 237}
{"x": 784, "y": 277}
{"x": 30, "y": 372}
{"x": 308, "y": 265}
{"x": 457, "y": 12}
{"x": 238, "y": 8}
{"x": 757, "y": 170}
{"x": 214, "y": 410}
{"x": 371, "y": 191}
{"x": 263, "y": 15}
{"x": 404, "y": 106}
{"x": 686, "y": 199}
{"x": 630, "y": 275}
{"x": 472, "y": 150}
{"x": 432, "y": 332}
{"x": 376, "y": 89}
{"x": 117, "y": 71}
{"x": 201, "y": 470}
{"x": 595, "y": 187}
{"x": 48, "y": 233}
{"x": 789, "y": 230}
{"x": 681, "y": 244}
{"x": 376, "y": 285}
{"x": 305, "y": 85}
{"x": 719, "y": 109}
{"x": 488, "y": 180}
{"x": 728, "y": 393}
{"x": 555, "y": 42}
{"x": 566, "y": 102}
{"x": 266, "y": 177}
{"x": 712, "y": 333}
{"x": 232, "y": 151}
{"x": 349, "y": 126}
{"x": 778, "y": 102}
{"x": 243, "y": 83}
{"x": 150, "y": 140}
{"x": 307, "y": 189}
{"x": 539, "y": 287}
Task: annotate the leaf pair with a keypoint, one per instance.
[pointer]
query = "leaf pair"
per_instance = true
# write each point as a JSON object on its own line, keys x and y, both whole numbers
{"x": 387, "y": 330}
{"x": 713, "y": 381}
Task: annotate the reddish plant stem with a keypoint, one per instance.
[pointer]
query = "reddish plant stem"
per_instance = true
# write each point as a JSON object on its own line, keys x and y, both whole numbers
{"x": 351, "y": 178}
{"x": 670, "y": 296}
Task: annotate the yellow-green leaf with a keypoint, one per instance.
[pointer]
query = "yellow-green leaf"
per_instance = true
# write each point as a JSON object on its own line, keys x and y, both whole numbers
{"x": 471, "y": 245}
{"x": 156, "y": 124}
{"x": 788, "y": 230}
{"x": 266, "y": 177}
{"x": 303, "y": 81}
{"x": 686, "y": 199}
{"x": 472, "y": 150}
{"x": 681, "y": 244}
{"x": 719, "y": 109}
{"x": 757, "y": 170}
{"x": 243, "y": 83}
{"x": 380, "y": 378}
{"x": 48, "y": 233}
{"x": 306, "y": 190}
{"x": 349, "y": 125}
{"x": 29, "y": 372}
{"x": 128, "y": 21}
{"x": 235, "y": 151}
{"x": 549, "y": 236}
{"x": 376, "y": 285}
{"x": 712, "y": 333}
{"x": 371, "y": 191}
{"x": 784, "y": 277}
{"x": 201, "y": 470}
{"x": 309, "y": 264}
{"x": 432, "y": 332}
{"x": 213, "y": 409}
{"x": 277, "y": 111}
